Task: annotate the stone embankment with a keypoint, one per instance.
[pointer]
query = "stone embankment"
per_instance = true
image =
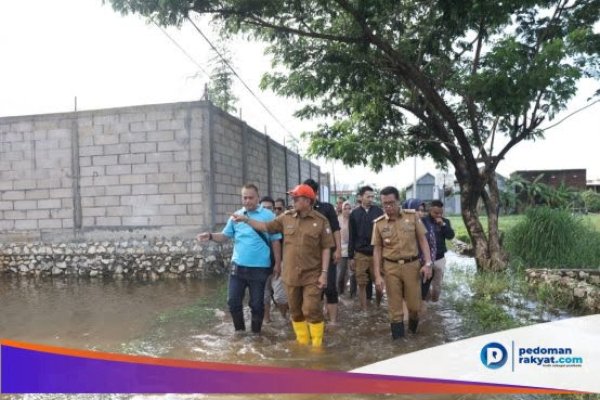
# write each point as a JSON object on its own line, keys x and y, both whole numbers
{"x": 145, "y": 259}
{"x": 583, "y": 285}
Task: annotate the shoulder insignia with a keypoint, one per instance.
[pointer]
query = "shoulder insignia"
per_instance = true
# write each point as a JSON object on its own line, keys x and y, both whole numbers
{"x": 408, "y": 211}
{"x": 379, "y": 218}
{"x": 289, "y": 212}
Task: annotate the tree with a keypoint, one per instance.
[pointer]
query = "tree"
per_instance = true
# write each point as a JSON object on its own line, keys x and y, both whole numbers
{"x": 398, "y": 78}
{"x": 220, "y": 90}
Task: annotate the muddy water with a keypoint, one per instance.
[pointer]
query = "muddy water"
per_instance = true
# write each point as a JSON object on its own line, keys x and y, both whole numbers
{"x": 188, "y": 320}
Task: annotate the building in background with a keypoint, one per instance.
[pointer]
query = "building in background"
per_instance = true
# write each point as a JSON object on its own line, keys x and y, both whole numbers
{"x": 571, "y": 178}
{"x": 426, "y": 189}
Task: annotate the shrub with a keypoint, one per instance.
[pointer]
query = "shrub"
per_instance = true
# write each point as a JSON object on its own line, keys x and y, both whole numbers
{"x": 591, "y": 200}
{"x": 554, "y": 238}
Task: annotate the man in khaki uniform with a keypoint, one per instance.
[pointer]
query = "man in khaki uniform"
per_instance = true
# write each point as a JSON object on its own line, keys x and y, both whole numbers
{"x": 397, "y": 236}
{"x": 307, "y": 240}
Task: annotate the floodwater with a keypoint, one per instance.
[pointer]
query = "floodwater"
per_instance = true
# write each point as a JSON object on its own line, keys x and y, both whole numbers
{"x": 188, "y": 319}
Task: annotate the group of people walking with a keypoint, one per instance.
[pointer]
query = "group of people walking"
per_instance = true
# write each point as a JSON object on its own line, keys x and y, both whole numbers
{"x": 302, "y": 256}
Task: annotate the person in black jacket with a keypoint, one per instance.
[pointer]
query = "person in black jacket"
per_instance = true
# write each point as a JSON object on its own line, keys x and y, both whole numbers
{"x": 360, "y": 249}
{"x": 328, "y": 211}
{"x": 443, "y": 231}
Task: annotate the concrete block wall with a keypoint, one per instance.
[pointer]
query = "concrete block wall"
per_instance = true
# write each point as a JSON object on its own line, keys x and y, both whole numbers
{"x": 293, "y": 172}
{"x": 257, "y": 164}
{"x": 315, "y": 172}
{"x": 279, "y": 185}
{"x": 166, "y": 169}
{"x": 305, "y": 170}
{"x": 35, "y": 174}
{"x": 228, "y": 154}
{"x": 138, "y": 167}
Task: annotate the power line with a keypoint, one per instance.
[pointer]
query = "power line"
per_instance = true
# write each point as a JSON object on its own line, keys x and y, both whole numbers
{"x": 180, "y": 48}
{"x": 570, "y": 115}
{"x": 240, "y": 79}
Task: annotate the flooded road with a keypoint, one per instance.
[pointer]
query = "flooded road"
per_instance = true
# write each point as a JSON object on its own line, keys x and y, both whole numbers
{"x": 188, "y": 319}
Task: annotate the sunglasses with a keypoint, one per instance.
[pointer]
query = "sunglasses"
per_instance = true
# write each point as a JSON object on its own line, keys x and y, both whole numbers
{"x": 278, "y": 208}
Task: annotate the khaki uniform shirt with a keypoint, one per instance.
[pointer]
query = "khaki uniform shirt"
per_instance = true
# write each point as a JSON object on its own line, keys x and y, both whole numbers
{"x": 398, "y": 238}
{"x": 304, "y": 238}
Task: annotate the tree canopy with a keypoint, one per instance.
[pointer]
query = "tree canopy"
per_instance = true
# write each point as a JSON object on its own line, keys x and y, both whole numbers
{"x": 396, "y": 78}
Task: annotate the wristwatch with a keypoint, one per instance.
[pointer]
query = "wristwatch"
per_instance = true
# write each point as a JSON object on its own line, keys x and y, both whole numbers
{"x": 429, "y": 264}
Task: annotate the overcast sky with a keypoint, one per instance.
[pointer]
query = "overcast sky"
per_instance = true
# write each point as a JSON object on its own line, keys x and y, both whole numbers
{"x": 52, "y": 51}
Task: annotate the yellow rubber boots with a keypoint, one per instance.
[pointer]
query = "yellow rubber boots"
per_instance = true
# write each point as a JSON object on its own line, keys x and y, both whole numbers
{"x": 316, "y": 333}
{"x": 301, "y": 330}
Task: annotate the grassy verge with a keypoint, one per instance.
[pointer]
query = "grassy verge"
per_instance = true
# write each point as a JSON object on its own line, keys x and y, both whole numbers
{"x": 482, "y": 300}
{"x": 553, "y": 238}
{"x": 506, "y": 222}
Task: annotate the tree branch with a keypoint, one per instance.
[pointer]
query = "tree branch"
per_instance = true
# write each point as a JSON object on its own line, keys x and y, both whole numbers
{"x": 256, "y": 21}
{"x": 420, "y": 81}
{"x": 469, "y": 99}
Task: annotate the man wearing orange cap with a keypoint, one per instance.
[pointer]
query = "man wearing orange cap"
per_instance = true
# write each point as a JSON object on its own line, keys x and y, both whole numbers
{"x": 306, "y": 253}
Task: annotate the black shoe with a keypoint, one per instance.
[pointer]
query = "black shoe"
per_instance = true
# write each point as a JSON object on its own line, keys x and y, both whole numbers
{"x": 238, "y": 321}
{"x": 256, "y": 325}
{"x": 397, "y": 330}
{"x": 412, "y": 325}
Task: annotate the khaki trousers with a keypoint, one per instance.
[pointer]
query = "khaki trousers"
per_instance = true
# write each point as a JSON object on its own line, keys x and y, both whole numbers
{"x": 402, "y": 282}
{"x": 305, "y": 303}
{"x": 363, "y": 267}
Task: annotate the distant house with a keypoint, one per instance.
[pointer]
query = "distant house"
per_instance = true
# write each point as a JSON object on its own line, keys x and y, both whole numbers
{"x": 572, "y": 178}
{"x": 452, "y": 202}
{"x": 594, "y": 185}
{"x": 426, "y": 189}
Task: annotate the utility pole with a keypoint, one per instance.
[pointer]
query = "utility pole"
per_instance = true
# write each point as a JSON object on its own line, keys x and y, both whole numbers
{"x": 415, "y": 179}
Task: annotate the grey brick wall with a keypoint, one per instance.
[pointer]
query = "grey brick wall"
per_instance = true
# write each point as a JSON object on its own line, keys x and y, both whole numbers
{"x": 167, "y": 169}
{"x": 305, "y": 170}
{"x": 257, "y": 164}
{"x": 35, "y": 174}
{"x": 279, "y": 186}
{"x": 228, "y": 159}
{"x": 293, "y": 173}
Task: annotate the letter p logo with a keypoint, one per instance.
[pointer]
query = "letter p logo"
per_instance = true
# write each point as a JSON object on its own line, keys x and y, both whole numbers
{"x": 493, "y": 355}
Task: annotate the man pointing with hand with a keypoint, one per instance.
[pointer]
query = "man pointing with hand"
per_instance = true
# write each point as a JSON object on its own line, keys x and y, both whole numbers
{"x": 307, "y": 246}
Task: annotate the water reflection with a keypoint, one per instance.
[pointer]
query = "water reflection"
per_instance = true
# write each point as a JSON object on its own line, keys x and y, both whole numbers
{"x": 188, "y": 320}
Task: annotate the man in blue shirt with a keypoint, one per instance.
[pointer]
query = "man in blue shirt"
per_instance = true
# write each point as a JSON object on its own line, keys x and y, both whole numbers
{"x": 251, "y": 260}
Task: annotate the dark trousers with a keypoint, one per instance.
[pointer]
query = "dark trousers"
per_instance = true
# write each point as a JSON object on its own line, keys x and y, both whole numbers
{"x": 240, "y": 278}
{"x": 331, "y": 293}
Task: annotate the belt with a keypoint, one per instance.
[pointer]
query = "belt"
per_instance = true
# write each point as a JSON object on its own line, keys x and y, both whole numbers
{"x": 402, "y": 260}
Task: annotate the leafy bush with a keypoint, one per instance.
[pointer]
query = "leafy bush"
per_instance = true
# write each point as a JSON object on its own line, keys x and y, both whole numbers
{"x": 591, "y": 200}
{"x": 554, "y": 238}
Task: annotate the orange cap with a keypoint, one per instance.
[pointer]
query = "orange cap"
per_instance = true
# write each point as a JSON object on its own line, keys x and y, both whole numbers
{"x": 302, "y": 191}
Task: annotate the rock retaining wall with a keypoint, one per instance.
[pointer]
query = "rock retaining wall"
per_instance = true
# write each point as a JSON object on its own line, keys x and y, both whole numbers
{"x": 583, "y": 285}
{"x": 146, "y": 259}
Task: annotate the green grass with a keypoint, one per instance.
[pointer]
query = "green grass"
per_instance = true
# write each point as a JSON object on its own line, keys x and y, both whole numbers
{"x": 594, "y": 220}
{"x": 201, "y": 312}
{"x": 506, "y": 222}
{"x": 553, "y": 296}
{"x": 553, "y": 238}
{"x": 480, "y": 300}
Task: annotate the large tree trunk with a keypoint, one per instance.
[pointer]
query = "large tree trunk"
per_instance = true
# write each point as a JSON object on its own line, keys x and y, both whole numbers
{"x": 488, "y": 252}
